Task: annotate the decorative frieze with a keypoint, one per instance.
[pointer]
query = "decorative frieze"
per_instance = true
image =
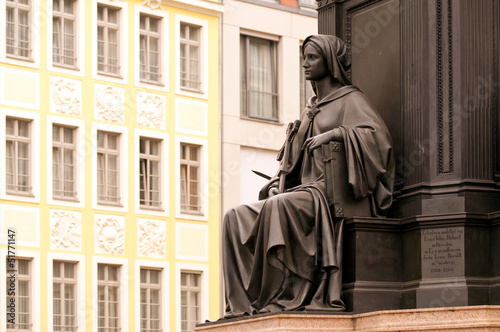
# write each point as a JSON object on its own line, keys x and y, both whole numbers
{"x": 151, "y": 238}
{"x": 65, "y": 230}
{"x": 153, "y": 4}
{"x": 109, "y": 103}
{"x": 151, "y": 110}
{"x": 65, "y": 96}
{"x": 109, "y": 234}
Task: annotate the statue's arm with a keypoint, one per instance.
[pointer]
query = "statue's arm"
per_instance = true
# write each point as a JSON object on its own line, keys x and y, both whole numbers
{"x": 269, "y": 188}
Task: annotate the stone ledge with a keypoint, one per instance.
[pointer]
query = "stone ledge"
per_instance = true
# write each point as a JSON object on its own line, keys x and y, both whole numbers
{"x": 473, "y": 318}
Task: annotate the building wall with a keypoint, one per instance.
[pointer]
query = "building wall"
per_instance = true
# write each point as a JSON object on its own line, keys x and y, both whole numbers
{"x": 252, "y": 144}
{"x": 83, "y": 230}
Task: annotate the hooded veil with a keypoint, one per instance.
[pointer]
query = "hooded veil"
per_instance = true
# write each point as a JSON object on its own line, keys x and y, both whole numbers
{"x": 335, "y": 52}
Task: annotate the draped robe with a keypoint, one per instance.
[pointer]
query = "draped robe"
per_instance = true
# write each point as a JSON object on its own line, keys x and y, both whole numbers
{"x": 284, "y": 252}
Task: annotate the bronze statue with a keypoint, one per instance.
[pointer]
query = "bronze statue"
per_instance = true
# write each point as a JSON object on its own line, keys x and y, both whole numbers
{"x": 284, "y": 252}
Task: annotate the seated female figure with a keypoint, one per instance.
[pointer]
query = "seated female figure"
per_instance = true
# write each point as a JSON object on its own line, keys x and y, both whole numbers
{"x": 284, "y": 251}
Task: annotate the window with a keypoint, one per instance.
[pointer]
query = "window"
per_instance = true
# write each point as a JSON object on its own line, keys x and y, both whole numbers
{"x": 150, "y": 57}
{"x": 108, "y": 34}
{"x": 18, "y": 150}
{"x": 150, "y": 300}
{"x": 190, "y": 56}
{"x": 64, "y": 297}
{"x": 21, "y": 294}
{"x": 306, "y": 91}
{"x": 149, "y": 172}
{"x": 108, "y": 301}
{"x": 63, "y": 162}
{"x": 108, "y": 172}
{"x": 259, "y": 87}
{"x": 190, "y": 300}
{"x": 64, "y": 33}
{"x": 190, "y": 175}
{"x": 18, "y": 29}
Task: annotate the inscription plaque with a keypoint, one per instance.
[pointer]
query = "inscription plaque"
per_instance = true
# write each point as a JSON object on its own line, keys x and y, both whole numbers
{"x": 442, "y": 252}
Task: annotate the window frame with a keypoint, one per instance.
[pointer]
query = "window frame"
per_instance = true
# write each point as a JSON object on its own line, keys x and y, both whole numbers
{"x": 33, "y": 61}
{"x": 244, "y": 68}
{"x": 123, "y": 166}
{"x": 204, "y": 294}
{"x": 106, "y": 25}
{"x": 204, "y": 55}
{"x": 34, "y": 118}
{"x": 149, "y": 158}
{"x": 163, "y": 266}
{"x": 148, "y": 34}
{"x": 79, "y": 261}
{"x": 164, "y": 47}
{"x": 107, "y": 284}
{"x": 189, "y": 44}
{"x": 63, "y": 17}
{"x": 15, "y": 139}
{"x": 63, "y": 146}
{"x": 25, "y": 278}
{"x": 163, "y": 209}
{"x": 79, "y": 68}
{"x": 189, "y": 164}
{"x": 17, "y": 7}
{"x": 79, "y": 134}
{"x": 122, "y": 293}
{"x": 149, "y": 287}
{"x": 203, "y": 176}
{"x": 34, "y": 257}
{"x": 108, "y": 152}
{"x": 122, "y": 40}
{"x": 63, "y": 281}
{"x": 189, "y": 289}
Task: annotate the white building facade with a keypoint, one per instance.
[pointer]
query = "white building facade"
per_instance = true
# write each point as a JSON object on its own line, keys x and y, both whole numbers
{"x": 263, "y": 88}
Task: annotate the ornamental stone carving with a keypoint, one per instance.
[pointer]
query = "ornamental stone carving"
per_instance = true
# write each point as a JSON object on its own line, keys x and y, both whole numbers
{"x": 151, "y": 238}
{"x": 153, "y": 4}
{"x": 109, "y": 105}
{"x": 110, "y": 234}
{"x": 65, "y": 230}
{"x": 65, "y": 96}
{"x": 150, "y": 110}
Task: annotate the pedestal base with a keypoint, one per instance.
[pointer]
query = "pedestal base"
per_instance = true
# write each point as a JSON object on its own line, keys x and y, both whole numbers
{"x": 476, "y": 318}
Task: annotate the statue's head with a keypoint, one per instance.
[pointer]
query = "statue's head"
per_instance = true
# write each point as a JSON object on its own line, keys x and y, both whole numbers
{"x": 334, "y": 53}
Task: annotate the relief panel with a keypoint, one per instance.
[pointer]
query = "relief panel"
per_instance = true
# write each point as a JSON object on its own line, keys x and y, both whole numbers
{"x": 151, "y": 110}
{"x": 151, "y": 238}
{"x": 109, "y": 234}
{"x": 109, "y": 103}
{"x": 65, "y": 230}
{"x": 65, "y": 96}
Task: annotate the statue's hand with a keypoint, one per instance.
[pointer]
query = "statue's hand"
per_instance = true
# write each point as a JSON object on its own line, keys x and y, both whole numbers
{"x": 312, "y": 143}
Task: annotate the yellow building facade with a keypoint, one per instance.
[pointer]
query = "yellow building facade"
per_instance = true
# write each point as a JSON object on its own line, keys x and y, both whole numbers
{"x": 109, "y": 165}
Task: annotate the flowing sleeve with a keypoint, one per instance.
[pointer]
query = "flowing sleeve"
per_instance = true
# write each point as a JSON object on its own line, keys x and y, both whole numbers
{"x": 369, "y": 155}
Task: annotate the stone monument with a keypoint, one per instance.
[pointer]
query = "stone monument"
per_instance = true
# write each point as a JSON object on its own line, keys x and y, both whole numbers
{"x": 432, "y": 70}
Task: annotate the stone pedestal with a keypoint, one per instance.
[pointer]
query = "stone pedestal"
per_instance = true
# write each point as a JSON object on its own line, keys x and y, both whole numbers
{"x": 432, "y": 70}
{"x": 442, "y": 260}
{"x": 479, "y": 318}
